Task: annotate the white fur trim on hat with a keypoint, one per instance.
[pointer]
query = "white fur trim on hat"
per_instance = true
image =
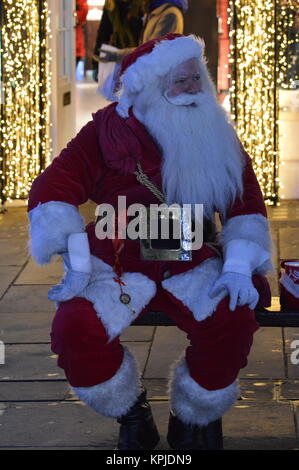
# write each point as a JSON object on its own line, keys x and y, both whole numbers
{"x": 194, "y": 404}
{"x": 114, "y": 397}
{"x": 165, "y": 55}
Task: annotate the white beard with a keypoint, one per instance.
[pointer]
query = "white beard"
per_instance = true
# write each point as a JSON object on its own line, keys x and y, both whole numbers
{"x": 202, "y": 160}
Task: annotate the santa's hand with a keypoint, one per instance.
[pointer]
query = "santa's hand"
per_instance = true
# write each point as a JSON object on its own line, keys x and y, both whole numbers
{"x": 239, "y": 287}
{"x": 72, "y": 285}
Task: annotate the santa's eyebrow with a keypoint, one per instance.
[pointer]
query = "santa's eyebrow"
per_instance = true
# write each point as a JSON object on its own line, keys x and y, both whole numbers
{"x": 181, "y": 77}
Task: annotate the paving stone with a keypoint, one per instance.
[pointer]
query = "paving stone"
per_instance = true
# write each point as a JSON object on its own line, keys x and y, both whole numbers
{"x": 7, "y": 275}
{"x": 50, "y": 390}
{"x": 55, "y": 424}
{"x": 37, "y": 361}
{"x": 34, "y": 274}
{"x": 168, "y": 345}
{"x": 33, "y": 361}
{"x": 255, "y": 390}
{"x": 272, "y": 276}
{"x": 273, "y": 282}
{"x": 25, "y": 327}
{"x": 65, "y": 425}
{"x": 266, "y": 357}
{"x": 292, "y": 351}
{"x": 156, "y": 389}
{"x": 13, "y": 253}
{"x": 74, "y": 425}
{"x": 138, "y": 333}
{"x": 290, "y": 390}
{"x": 289, "y": 242}
{"x": 14, "y": 224}
{"x": 259, "y": 426}
{"x": 27, "y": 299}
{"x": 140, "y": 351}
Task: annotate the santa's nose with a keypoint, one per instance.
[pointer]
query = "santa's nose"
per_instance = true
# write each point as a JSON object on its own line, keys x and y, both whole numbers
{"x": 193, "y": 87}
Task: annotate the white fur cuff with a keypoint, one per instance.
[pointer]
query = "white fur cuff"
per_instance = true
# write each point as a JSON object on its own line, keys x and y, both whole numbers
{"x": 253, "y": 227}
{"x": 114, "y": 397}
{"x": 194, "y": 404}
{"x": 50, "y": 225}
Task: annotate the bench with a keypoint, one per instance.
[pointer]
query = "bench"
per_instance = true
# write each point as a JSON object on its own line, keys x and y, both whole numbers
{"x": 272, "y": 316}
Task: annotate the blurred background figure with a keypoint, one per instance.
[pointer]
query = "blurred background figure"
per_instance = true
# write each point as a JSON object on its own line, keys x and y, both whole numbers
{"x": 81, "y": 15}
{"x": 120, "y": 26}
{"x": 162, "y": 17}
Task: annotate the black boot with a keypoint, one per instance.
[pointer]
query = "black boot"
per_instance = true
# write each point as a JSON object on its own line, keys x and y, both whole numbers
{"x": 183, "y": 436}
{"x": 138, "y": 430}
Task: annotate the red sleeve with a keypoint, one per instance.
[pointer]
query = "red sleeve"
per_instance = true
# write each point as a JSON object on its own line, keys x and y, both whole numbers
{"x": 252, "y": 201}
{"x": 73, "y": 175}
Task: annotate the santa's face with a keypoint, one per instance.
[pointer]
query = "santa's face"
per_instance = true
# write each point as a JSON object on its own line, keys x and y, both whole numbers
{"x": 184, "y": 79}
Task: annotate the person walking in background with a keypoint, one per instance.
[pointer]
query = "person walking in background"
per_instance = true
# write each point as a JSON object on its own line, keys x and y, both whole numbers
{"x": 81, "y": 15}
{"x": 161, "y": 17}
{"x": 120, "y": 26}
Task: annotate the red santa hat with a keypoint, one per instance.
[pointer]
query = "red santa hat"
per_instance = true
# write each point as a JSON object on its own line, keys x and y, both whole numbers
{"x": 154, "y": 59}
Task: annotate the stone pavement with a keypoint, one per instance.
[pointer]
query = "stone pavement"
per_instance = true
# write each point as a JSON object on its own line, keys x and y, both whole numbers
{"x": 37, "y": 408}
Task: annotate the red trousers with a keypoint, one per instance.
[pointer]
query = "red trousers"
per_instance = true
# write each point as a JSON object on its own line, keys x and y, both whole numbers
{"x": 218, "y": 349}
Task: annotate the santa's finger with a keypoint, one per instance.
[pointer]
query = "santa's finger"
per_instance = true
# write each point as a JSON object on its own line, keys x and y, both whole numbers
{"x": 233, "y": 300}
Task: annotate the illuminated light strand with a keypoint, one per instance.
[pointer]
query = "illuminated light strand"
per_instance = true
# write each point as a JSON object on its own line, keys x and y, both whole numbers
{"x": 258, "y": 67}
{"x": 25, "y": 117}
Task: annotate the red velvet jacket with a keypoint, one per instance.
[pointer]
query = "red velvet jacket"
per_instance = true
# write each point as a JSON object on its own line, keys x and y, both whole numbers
{"x": 98, "y": 164}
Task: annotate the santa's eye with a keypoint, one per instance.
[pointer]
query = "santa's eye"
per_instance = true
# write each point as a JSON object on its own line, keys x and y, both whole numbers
{"x": 180, "y": 80}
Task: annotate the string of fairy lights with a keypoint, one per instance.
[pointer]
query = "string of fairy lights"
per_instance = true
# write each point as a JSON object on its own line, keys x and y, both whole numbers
{"x": 259, "y": 65}
{"x": 25, "y": 78}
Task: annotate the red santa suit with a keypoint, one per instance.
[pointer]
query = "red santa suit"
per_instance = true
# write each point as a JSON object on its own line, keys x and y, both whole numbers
{"x": 99, "y": 164}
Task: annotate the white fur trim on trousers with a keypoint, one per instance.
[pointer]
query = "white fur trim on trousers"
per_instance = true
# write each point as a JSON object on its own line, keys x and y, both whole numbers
{"x": 104, "y": 293}
{"x": 194, "y": 404}
{"x": 114, "y": 397}
{"x": 192, "y": 288}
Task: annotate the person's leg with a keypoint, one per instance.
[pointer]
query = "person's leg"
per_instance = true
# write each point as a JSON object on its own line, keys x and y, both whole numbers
{"x": 203, "y": 385}
{"x": 103, "y": 374}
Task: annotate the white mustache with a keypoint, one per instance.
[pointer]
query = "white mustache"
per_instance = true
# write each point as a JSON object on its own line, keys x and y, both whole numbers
{"x": 184, "y": 99}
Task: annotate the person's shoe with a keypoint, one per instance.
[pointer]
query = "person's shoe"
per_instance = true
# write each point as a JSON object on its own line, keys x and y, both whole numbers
{"x": 183, "y": 436}
{"x": 138, "y": 430}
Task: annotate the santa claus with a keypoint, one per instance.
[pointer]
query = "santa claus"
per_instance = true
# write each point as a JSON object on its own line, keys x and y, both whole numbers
{"x": 168, "y": 136}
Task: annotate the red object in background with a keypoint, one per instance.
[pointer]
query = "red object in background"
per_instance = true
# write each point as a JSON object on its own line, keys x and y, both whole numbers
{"x": 81, "y": 11}
{"x": 223, "y": 47}
{"x": 288, "y": 300}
